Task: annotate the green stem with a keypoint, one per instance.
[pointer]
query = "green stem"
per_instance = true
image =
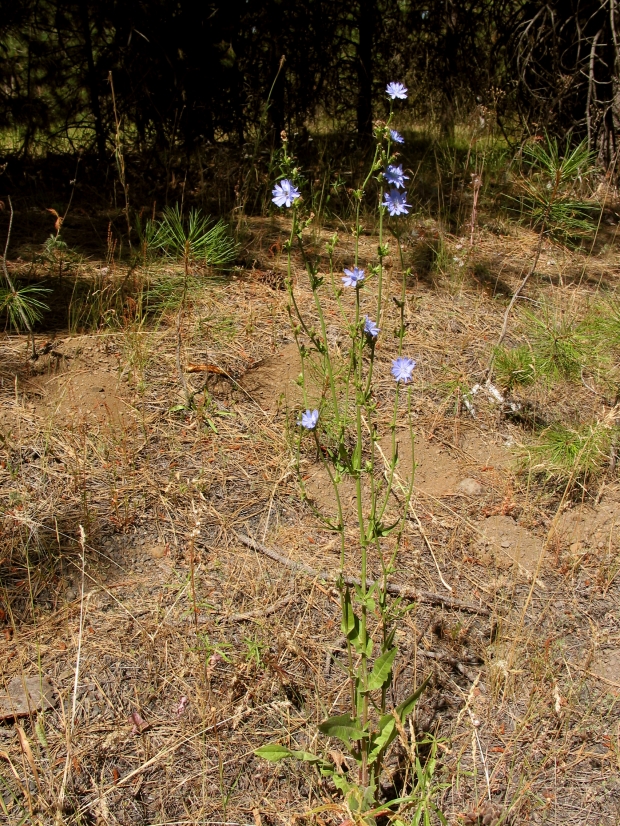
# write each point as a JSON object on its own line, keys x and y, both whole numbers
{"x": 326, "y": 357}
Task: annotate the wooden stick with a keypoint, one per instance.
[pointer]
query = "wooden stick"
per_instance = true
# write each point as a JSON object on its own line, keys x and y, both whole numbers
{"x": 397, "y": 590}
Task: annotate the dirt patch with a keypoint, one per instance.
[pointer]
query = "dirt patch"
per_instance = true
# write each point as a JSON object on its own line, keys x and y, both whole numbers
{"x": 320, "y": 492}
{"x": 585, "y": 527}
{"x": 442, "y": 467}
{"x": 489, "y": 452}
{"x": 503, "y": 536}
{"x": 95, "y": 395}
{"x": 78, "y": 380}
{"x": 441, "y": 471}
{"x": 273, "y": 383}
{"x": 437, "y": 469}
{"x": 607, "y": 666}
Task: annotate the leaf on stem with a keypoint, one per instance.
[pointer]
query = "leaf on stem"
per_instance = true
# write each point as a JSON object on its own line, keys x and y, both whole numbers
{"x": 344, "y": 728}
{"x": 273, "y": 752}
{"x": 382, "y": 670}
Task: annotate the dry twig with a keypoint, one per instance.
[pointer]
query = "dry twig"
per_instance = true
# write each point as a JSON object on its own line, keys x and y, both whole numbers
{"x": 395, "y": 590}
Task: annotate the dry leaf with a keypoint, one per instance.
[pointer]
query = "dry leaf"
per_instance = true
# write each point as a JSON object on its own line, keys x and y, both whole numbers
{"x": 338, "y": 757}
{"x": 58, "y": 222}
{"x": 205, "y": 368}
{"x": 23, "y": 742}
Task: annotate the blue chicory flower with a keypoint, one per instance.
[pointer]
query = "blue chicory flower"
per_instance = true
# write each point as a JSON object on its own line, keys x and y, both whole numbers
{"x": 402, "y": 369}
{"x": 396, "y": 202}
{"x": 370, "y": 328}
{"x": 396, "y": 90}
{"x": 396, "y": 136}
{"x": 394, "y": 176}
{"x": 353, "y": 277}
{"x": 285, "y": 193}
{"x": 309, "y": 419}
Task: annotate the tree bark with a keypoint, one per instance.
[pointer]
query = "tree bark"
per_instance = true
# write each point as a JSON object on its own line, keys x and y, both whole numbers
{"x": 448, "y": 113}
{"x": 92, "y": 80}
{"x": 365, "y": 26}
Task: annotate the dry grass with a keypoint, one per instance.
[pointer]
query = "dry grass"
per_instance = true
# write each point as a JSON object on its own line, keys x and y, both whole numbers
{"x": 528, "y": 714}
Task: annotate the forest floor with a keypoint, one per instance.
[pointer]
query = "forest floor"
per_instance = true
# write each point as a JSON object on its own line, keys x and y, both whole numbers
{"x": 155, "y": 699}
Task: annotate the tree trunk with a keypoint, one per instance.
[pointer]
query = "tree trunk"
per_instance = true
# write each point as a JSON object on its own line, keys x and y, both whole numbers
{"x": 365, "y": 26}
{"x": 448, "y": 113}
{"x": 608, "y": 144}
{"x": 92, "y": 80}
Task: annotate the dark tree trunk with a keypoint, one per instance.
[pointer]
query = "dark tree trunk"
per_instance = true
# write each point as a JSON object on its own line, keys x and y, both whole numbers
{"x": 92, "y": 80}
{"x": 448, "y": 112}
{"x": 278, "y": 88}
{"x": 366, "y": 24}
{"x": 604, "y": 91}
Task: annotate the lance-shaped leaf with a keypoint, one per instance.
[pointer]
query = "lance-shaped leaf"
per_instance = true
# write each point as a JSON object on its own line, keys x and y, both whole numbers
{"x": 344, "y": 728}
{"x": 383, "y": 738}
{"x": 350, "y": 622}
{"x": 381, "y": 670}
{"x": 387, "y": 725}
{"x": 407, "y": 706}
{"x": 273, "y": 752}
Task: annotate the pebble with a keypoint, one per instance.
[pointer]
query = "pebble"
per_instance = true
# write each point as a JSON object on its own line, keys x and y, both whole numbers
{"x": 470, "y": 487}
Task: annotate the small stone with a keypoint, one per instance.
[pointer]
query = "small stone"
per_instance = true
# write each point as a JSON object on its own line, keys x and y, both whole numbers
{"x": 470, "y": 487}
{"x": 25, "y": 695}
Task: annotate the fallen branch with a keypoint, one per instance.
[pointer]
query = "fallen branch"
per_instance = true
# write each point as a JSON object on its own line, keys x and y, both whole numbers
{"x": 396, "y": 590}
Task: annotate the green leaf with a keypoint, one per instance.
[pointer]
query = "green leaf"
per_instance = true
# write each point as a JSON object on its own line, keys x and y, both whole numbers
{"x": 309, "y": 757}
{"x": 39, "y": 729}
{"x": 362, "y": 799}
{"x": 387, "y": 732}
{"x": 343, "y": 727}
{"x": 340, "y": 782}
{"x": 273, "y": 752}
{"x": 387, "y": 724}
{"x": 381, "y": 670}
{"x": 407, "y": 706}
{"x": 350, "y": 621}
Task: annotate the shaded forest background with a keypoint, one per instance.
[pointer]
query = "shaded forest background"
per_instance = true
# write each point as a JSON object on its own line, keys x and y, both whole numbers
{"x": 179, "y": 99}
